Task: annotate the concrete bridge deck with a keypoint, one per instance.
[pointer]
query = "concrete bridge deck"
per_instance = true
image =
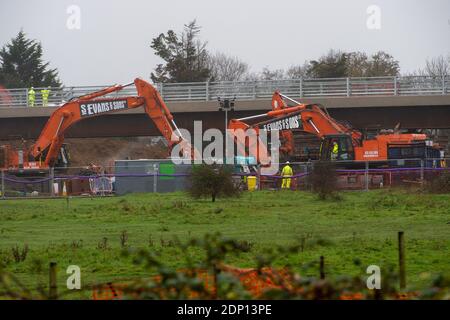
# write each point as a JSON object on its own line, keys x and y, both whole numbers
{"x": 373, "y": 112}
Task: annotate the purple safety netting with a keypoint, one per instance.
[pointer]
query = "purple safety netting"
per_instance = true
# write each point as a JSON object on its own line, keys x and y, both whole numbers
{"x": 175, "y": 175}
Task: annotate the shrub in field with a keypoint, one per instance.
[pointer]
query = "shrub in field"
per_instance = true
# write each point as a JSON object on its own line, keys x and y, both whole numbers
{"x": 323, "y": 179}
{"x": 245, "y": 246}
{"x": 212, "y": 181}
{"x": 19, "y": 255}
{"x": 103, "y": 244}
{"x": 123, "y": 238}
{"x": 151, "y": 242}
{"x": 440, "y": 184}
{"x": 167, "y": 243}
{"x": 76, "y": 244}
{"x": 179, "y": 204}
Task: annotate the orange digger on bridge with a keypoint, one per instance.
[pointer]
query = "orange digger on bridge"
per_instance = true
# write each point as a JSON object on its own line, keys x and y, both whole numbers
{"x": 339, "y": 141}
{"x": 49, "y": 150}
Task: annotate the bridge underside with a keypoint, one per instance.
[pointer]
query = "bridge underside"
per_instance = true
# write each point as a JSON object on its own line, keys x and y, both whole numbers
{"x": 138, "y": 124}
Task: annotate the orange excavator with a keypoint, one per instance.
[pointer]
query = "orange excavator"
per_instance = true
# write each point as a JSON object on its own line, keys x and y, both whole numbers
{"x": 49, "y": 150}
{"x": 339, "y": 141}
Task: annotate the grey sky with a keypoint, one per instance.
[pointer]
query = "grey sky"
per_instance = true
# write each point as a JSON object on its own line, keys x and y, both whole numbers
{"x": 113, "y": 44}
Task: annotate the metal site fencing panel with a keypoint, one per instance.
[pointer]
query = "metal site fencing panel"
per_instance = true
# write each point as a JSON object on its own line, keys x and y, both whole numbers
{"x": 405, "y": 173}
{"x": 249, "y": 90}
{"x": 162, "y": 175}
{"x": 54, "y": 183}
{"x": 32, "y": 185}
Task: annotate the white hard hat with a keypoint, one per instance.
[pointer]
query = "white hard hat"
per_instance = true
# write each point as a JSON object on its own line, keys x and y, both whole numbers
{"x": 287, "y": 162}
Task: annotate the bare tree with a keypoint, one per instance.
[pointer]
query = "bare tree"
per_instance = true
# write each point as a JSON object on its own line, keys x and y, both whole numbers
{"x": 277, "y": 74}
{"x": 252, "y": 76}
{"x": 227, "y": 68}
{"x": 297, "y": 71}
{"x": 438, "y": 66}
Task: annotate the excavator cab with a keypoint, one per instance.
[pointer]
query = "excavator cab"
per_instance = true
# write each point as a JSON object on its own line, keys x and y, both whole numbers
{"x": 337, "y": 147}
{"x": 63, "y": 159}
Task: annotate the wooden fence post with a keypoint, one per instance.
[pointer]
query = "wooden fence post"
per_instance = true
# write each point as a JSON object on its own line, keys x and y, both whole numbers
{"x": 401, "y": 259}
{"x": 53, "y": 288}
{"x": 366, "y": 177}
{"x": 259, "y": 177}
{"x": 3, "y": 183}
{"x": 52, "y": 182}
{"x": 322, "y": 267}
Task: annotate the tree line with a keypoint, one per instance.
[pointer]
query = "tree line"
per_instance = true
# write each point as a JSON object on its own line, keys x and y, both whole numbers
{"x": 186, "y": 58}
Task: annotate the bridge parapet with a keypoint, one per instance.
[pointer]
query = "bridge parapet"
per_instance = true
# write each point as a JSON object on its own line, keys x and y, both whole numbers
{"x": 253, "y": 90}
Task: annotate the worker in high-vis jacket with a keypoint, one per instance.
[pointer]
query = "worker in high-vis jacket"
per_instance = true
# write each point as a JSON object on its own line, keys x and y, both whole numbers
{"x": 31, "y": 97}
{"x": 45, "y": 93}
{"x": 334, "y": 151}
{"x": 287, "y": 174}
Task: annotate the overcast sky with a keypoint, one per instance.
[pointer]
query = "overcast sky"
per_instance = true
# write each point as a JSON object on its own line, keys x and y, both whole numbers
{"x": 113, "y": 43}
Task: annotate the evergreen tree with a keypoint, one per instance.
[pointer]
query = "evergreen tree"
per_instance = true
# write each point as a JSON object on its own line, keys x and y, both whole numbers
{"x": 186, "y": 58}
{"x": 331, "y": 65}
{"x": 338, "y": 64}
{"x": 212, "y": 181}
{"x": 21, "y": 65}
{"x": 383, "y": 64}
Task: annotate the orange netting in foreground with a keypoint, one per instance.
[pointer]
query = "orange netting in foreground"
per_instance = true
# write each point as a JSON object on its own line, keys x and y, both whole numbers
{"x": 253, "y": 281}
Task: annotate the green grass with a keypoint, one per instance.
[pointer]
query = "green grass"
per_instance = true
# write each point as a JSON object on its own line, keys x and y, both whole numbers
{"x": 363, "y": 226}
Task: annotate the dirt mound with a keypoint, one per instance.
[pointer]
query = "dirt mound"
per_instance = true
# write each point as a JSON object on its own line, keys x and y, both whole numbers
{"x": 103, "y": 151}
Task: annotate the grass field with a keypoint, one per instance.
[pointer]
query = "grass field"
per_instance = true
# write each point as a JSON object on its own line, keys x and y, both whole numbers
{"x": 363, "y": 225}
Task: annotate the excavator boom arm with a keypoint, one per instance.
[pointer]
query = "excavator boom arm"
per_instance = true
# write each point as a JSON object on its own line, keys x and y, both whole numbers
{"x": 47, "y": 146}
{"x": 308, "y": 117}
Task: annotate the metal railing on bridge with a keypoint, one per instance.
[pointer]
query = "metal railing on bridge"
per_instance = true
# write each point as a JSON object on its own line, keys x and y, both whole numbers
{"x": 250, "y": 90}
